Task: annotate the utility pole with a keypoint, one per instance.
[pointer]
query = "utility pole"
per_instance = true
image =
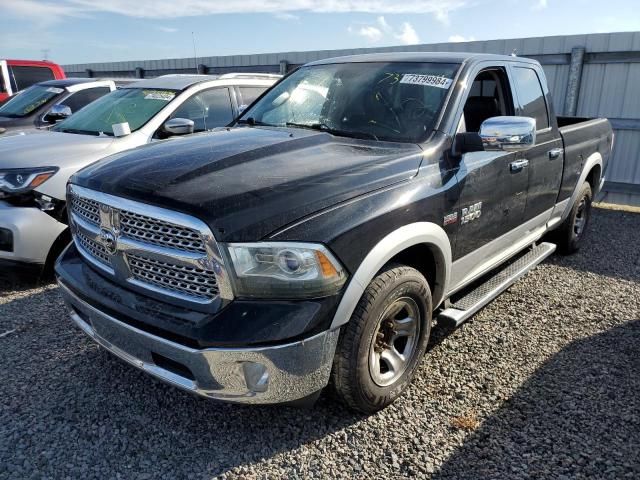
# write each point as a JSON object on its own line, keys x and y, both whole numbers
{"x": 195, "y": 57}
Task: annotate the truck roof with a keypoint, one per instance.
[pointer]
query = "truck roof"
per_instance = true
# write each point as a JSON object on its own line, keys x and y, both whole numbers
{"x": 182, "y": 81}
{"x": 419, "y": 57}
{"x": 67, "y": 82}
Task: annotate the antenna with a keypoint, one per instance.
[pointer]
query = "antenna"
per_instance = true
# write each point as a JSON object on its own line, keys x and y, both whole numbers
{"x": 195, "y": 57}
{"x": 45, "y": 53}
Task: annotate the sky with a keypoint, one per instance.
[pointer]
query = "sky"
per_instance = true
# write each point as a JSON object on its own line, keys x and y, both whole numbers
{"x": 85, "y": 31}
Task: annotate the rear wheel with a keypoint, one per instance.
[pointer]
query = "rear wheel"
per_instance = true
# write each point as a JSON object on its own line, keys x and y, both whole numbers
{"x": 569, "y": 235}
{"x": 381, "y": 346}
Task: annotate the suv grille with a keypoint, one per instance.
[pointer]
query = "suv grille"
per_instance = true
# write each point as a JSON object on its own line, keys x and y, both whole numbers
{"x": 152, "y": 248}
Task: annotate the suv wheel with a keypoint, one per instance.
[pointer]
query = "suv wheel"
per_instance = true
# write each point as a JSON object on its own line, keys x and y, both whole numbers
{"x": 569, "y": 235}
{"x": 381, "y": 346}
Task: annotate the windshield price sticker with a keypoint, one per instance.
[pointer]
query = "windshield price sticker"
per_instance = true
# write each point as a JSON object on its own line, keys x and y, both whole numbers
{"x": 55, "y": 90}
{"x": 427, "y": 80}
{"x": 159, "y": 95}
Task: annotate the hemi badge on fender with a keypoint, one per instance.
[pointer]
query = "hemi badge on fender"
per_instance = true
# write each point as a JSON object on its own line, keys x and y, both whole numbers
{"x": 451, "y": 218}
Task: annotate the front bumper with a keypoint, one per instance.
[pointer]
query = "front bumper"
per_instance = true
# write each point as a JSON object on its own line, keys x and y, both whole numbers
{"x": 259, "y": 375}
{"x": 33, "y": 233}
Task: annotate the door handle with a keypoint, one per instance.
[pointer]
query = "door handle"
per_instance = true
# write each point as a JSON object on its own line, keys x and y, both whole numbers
{"x": 518, "y": 165}
{"x": 555, "y": 153}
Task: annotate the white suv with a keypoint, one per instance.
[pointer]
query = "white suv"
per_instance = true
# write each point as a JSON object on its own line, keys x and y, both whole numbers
{"x": 34, "y": 168}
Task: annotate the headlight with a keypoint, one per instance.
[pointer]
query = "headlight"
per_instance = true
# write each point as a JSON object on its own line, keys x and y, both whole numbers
{"x": 284, "y": 270}
{"x": 22, "y": 180}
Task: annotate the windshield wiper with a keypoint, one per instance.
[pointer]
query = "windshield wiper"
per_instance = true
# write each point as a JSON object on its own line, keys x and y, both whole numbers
{"x": 323, "y": 127}
{"x": 78, "y": 131}
{"x": 253, "y": 122}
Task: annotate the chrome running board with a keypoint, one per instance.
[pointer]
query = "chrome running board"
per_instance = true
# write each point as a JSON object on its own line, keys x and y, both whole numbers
{"x": 465, "y": 307}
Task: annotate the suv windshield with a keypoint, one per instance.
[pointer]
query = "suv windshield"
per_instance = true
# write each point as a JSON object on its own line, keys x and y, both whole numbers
{"x": 387, "y": 101}
{"x": 29, "y": 100}
{"x": 135, "y": 106}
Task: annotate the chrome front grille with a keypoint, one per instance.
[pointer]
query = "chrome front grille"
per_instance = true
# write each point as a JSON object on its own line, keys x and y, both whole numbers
{"x": 159, "y": 233}
{"x": 167, "y": 253}
{"x": 95, "y": 249}
{"x": 190, "y": 281}
{"x": 86, "y": 208}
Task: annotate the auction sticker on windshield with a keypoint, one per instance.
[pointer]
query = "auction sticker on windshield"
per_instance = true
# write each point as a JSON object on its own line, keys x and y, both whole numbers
{"x": 427, "y": 80}
{"x": 163, "y": 95}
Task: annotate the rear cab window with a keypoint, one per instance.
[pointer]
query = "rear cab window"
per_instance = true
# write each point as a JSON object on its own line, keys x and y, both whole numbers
{"x": 24, "y": 76}
{"x": 531, "y": 96}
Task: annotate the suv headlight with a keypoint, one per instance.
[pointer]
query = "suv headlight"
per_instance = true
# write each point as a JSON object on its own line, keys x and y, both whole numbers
{"x": 21, "y": 180}
{"x": 284, "y": 270}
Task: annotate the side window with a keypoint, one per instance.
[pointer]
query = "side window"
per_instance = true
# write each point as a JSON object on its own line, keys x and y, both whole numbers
{"x": 249, "y": 94}
{"x": 26, "y": 76}
{"x": 84, "y": 97}
{"x": 531, "y": 96}
{"x": 208, "y": 109}
{"x": 489, "y": 96}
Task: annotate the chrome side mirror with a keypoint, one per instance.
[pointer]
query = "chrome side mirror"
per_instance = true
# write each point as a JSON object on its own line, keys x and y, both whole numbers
{"x": 511, "y": 134}
{"x": 57, "y": 113}
{"x": 179, "y": 126}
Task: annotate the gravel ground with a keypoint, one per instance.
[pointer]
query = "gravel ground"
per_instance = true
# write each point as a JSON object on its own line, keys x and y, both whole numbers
{"x": 543, "y": 383}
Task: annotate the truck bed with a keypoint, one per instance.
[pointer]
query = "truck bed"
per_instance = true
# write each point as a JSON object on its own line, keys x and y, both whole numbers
{"x": 581, "y": 137}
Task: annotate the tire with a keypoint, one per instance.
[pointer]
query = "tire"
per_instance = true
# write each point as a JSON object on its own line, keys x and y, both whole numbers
{"x": 568, "y": 237}
{"x": 368, "y": 373}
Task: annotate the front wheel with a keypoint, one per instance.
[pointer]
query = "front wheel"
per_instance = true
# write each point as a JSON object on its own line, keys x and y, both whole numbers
{"x": 380, "y": 348}
{"x": 569, "y": 235}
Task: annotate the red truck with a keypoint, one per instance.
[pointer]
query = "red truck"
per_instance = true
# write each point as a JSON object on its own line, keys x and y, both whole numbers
{"x": 16, "y": 75}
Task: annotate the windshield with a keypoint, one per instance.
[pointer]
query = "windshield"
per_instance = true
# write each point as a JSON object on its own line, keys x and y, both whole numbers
{"x": 385, "y": 101}
{"x": 135, "y": 106}
{"x": 28, "y": 100}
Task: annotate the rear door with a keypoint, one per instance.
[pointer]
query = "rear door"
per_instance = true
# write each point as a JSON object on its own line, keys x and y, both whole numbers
{"x": 546, "y": 156}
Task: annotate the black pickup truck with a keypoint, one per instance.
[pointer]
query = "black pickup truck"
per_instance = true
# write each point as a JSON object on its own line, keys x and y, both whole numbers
{"x": 317, "y": 239}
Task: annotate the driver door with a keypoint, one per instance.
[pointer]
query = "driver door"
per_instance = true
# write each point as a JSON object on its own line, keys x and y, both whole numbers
{"x": 493, "y": 192}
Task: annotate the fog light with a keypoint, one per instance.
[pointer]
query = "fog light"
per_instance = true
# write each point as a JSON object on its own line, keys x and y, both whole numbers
{"x": 6, "y": 240}
{"x": 256, "y": 376}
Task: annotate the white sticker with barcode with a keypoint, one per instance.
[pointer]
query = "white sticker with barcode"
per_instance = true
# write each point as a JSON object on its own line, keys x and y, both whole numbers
{"x": 427, "y": 80}
{"x": 159, "y": 95}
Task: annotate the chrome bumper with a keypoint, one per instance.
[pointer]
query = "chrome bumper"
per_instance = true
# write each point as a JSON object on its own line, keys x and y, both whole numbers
{"x": 260, "y": 375}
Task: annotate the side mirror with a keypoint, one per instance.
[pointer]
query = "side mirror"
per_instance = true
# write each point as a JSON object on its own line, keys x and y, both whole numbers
{"x": 510, "y": 134}
{"x": 179, "y": 126}
{"x": 466, "y": 142}
{"x": 57, "y": 113}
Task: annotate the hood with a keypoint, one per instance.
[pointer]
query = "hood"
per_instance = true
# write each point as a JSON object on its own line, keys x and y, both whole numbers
{"x": 247, "y": 182}
{"x": 14, "y": 126}
{"x": 39, "y": 148}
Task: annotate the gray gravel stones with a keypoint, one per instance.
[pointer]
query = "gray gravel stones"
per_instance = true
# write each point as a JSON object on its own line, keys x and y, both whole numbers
{"x": 549, "y": 371}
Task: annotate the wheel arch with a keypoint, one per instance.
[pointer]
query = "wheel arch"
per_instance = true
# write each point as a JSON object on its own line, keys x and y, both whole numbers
{"x": 591, "y": 172}
{"x": 426, "y": 239}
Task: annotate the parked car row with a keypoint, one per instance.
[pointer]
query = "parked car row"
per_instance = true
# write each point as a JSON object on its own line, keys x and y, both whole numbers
{"x": 16, "y": 75}
{"x": 35, "y": 168}
{"x": 316, "y": 237}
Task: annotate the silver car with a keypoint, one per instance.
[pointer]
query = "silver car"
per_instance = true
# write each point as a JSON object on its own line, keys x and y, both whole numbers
{"x": 34, "y": 168}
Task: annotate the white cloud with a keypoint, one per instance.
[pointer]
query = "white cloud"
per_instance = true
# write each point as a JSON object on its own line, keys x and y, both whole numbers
{"x": 372, "y": 34}
{"x": 187, "y": 8}
{"x": 167, "y": 29}
{"x": 286, "y": 16}
{"x": 461, "y": 38}
{"x": 408, "y": 34}
{"x": 540, "y": 5}
{"x": 383, "y": 24}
